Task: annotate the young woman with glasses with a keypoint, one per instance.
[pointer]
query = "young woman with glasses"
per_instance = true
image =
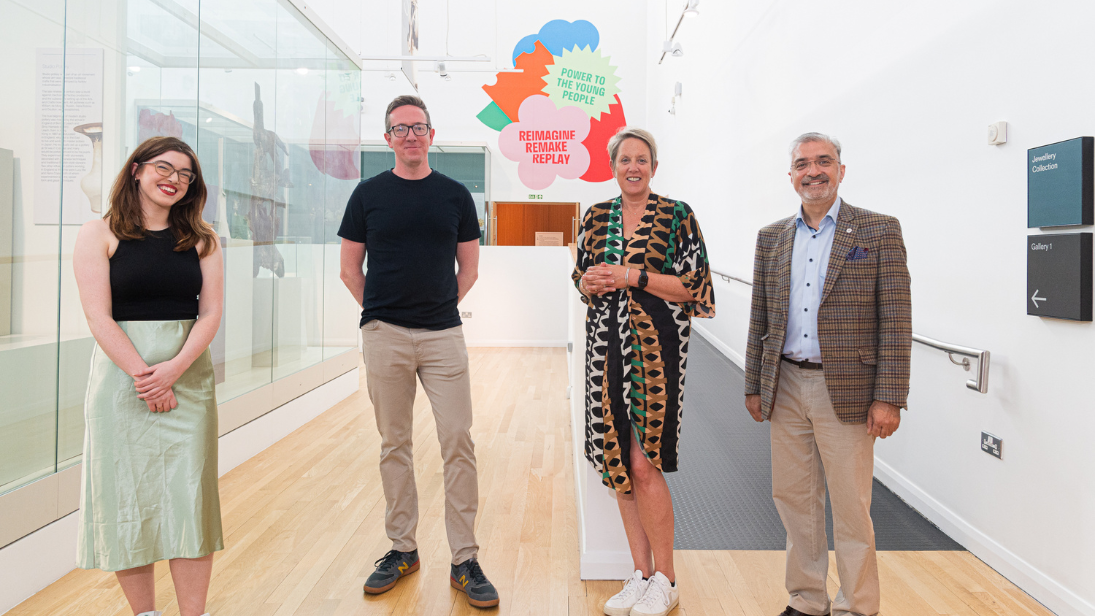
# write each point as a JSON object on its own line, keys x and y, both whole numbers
{"x": 151, "y": 284}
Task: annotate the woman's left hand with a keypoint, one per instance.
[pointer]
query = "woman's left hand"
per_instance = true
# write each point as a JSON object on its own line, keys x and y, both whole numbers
{"x": 157, "y": 380}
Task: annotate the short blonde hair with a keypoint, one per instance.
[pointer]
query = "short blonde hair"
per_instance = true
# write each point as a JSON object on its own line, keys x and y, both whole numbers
{"x": 628, "y": 132}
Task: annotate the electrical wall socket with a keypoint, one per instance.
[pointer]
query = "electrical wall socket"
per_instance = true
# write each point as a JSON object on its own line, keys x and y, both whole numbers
{"x": 465, "y": 314}
{"x": 992, "y": 445}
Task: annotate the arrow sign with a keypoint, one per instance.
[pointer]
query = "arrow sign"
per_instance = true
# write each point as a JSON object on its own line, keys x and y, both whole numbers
{"x": 1034, "y": 298}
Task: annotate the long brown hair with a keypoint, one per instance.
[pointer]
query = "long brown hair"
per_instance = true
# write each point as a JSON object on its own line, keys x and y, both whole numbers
{"x": 125, "y": 217}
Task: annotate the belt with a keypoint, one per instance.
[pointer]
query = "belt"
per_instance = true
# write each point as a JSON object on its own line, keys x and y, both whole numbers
{"x": 805, "y": 365}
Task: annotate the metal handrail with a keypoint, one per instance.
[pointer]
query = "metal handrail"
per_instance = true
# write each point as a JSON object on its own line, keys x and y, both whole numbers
{"x": 979, "y": 383}
{"x": 729, "y": 277}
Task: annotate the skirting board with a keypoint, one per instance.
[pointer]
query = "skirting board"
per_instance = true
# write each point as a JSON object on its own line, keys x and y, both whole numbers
{"x": 37, "y": 560}
{"x": 1034, "y": 582}
{"x": 720, "y": 345}
{"x": 46, "y": 555}
{"x": 515, "y": 343}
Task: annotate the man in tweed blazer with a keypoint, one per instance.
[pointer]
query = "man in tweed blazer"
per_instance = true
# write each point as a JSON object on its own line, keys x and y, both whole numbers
{"x": 827, "y": 363}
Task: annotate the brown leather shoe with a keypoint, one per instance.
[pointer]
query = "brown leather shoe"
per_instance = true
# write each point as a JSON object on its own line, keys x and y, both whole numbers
{"x": 790, "y": 611}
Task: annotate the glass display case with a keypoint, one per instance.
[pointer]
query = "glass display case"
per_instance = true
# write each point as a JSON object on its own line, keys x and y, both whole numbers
{"x": 273, "y": 109}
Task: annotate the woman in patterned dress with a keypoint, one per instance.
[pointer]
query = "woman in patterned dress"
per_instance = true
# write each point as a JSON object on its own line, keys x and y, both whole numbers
{"x": 642, "y": 270}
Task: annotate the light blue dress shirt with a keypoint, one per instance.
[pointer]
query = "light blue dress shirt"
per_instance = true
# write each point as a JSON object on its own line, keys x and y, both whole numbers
{"x": 809, "y": 262}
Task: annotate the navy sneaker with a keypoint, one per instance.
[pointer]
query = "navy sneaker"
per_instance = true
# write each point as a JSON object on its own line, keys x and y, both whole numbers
{"x": 468, "y": 578}
{"x": 389, "y": 568}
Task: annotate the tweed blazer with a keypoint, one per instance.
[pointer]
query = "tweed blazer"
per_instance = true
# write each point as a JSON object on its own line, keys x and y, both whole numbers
{"x": 864, "y": 320}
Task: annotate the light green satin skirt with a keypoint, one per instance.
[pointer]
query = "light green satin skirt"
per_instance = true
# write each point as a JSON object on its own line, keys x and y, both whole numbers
{"x": 149, "y": 489}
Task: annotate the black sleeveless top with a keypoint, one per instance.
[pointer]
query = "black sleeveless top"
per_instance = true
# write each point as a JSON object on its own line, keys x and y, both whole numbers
{"x": 149, "y": 281}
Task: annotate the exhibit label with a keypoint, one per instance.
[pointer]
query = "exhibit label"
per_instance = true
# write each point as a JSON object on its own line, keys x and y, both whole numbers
{"x": 72, "y": 126}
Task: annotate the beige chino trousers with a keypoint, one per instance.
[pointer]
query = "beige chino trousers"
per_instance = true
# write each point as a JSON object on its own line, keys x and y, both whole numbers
{"x": 811, "y": 448}
{"x": 394, "y": 356}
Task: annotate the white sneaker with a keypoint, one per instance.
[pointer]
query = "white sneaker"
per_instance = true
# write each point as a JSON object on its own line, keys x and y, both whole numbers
{"x": 620, "y": 604}
{"x": 659, "y": 599}
{"x": 150, "y": 614}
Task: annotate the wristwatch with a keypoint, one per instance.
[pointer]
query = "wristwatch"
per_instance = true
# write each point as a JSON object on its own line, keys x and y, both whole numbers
{"x": 643, "y": 279}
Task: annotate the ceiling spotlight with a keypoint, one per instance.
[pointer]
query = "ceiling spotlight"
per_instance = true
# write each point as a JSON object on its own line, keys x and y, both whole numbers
{"x": 391, "y": 76}
{"x": 693, "y": 7}
{"x": 208, "y": 120}
{"x": 134, "y": 69}
{"x": 302, "y": 71}
{"x": 443, "y": 72}
{"x": 672, "y": 48}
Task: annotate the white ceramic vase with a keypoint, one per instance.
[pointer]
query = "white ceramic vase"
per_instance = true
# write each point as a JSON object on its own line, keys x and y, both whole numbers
{"x": 92, "y": 183}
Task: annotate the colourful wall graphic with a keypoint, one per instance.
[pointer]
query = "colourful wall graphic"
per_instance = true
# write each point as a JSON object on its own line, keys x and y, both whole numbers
{"x": 556, "y": 116}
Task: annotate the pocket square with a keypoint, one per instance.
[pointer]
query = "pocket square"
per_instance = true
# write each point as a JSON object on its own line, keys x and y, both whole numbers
{"x": 857, "y": 253}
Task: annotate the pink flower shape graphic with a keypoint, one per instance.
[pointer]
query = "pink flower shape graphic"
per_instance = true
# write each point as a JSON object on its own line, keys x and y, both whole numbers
{"x": 547, "y": 142}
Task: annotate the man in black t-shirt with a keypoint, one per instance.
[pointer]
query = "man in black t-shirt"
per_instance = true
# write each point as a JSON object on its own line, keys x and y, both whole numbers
{"x": 415, "y": 223}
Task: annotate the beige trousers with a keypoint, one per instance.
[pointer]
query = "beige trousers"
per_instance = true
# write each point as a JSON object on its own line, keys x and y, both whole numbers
{"x": 812, "y": 448}
{"x": 394, "y": 356}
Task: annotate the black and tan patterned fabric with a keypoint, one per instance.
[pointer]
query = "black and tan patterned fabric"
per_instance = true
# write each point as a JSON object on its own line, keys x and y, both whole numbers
{"x": 864, "y": 320}
{"x": 636, "y": 342}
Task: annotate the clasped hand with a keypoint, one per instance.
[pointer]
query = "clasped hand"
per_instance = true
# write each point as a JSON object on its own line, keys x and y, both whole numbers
{"x": 604, "y": 278}
{"x": 154, "y": 385}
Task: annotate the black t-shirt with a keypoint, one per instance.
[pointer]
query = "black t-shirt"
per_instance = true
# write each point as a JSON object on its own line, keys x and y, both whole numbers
{"x": 410, "y": 229}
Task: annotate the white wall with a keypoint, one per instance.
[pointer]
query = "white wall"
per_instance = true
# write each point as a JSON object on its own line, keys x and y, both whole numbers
{"x": 910, "y": 88}
{"x": 520, "y": 298}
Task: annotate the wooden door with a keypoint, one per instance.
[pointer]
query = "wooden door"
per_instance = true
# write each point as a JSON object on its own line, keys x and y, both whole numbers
{"x": 517, "y": 222}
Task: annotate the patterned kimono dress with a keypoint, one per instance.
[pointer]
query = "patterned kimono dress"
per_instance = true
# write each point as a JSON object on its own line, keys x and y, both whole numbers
{"x": 636, "y": 342}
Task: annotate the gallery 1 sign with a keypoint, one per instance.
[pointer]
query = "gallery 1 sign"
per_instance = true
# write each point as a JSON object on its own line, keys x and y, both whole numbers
{"x": 1059, "y": 270}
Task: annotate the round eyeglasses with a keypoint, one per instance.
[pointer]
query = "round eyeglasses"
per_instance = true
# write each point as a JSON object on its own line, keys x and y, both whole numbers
{"x": 166, "y": 170}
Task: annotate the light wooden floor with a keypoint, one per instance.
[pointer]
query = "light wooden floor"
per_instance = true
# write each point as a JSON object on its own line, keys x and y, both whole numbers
{"x": 304, "y": 522}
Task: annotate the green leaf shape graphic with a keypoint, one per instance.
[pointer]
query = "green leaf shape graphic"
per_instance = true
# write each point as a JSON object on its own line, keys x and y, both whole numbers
{"x": 493, "y": 116}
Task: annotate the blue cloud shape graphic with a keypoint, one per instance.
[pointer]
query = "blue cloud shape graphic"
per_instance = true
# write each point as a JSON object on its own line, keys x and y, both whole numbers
{"x": 559, "y": 34}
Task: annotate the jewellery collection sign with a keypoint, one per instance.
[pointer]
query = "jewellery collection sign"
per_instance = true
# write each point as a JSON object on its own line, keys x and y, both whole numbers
{"x": 1060, "y": 192}
{"x": 1059, "y": 183}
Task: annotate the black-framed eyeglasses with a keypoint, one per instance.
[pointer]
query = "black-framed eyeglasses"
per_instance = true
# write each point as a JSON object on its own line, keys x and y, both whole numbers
{"x": 166, "y": 170}
{"x": 400, "y": 130}
{"x": 824, "y": 163}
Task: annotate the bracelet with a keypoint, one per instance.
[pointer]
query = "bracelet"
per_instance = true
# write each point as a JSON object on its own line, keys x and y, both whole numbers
{"x": 627, "y": 277}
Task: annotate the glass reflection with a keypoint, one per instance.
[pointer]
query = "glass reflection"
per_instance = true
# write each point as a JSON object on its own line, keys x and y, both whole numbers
{"x": 340, "y": 164}
{"x": 272, "y": 109}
